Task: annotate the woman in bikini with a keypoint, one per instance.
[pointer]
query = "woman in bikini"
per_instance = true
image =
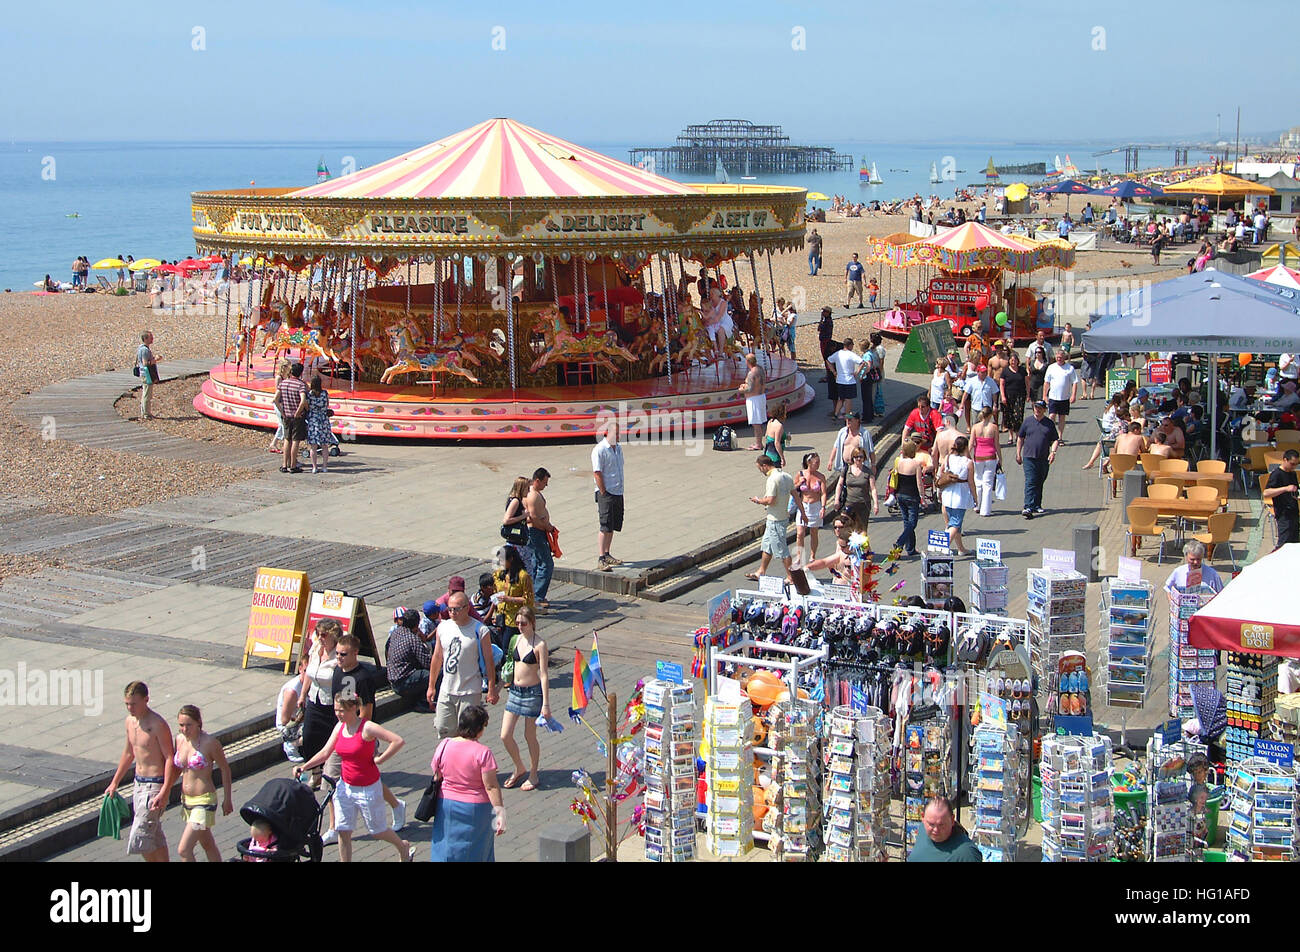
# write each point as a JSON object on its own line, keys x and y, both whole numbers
{"x": 775, "y": 437}
{"x": 810, "y": 501}
{"x": 196, "y": 754}
{"x": 529, "y": 697}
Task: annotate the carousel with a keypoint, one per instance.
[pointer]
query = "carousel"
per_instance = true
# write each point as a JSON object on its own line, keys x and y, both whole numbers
{"x": 968, "y": 268}
{"x": 500, "y": 284}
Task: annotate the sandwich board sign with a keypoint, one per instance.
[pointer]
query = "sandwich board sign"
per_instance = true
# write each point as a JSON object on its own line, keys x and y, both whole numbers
{"x": 349, "y": 611}
{"x": 275, "y": 621}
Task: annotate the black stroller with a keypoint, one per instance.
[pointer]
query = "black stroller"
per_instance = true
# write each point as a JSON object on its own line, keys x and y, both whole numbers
{"x": 289, "y": 808}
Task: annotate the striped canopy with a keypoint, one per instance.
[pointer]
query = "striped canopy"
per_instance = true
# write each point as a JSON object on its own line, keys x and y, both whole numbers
{"x": 498, "y": 158}
{"x": 973, "y": 246}
{"x": 1286, "y": 277}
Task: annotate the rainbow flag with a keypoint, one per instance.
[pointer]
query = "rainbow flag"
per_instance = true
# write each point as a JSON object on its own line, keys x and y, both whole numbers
{"x": 581, "y": 682}
{"x": 597, "y": 675}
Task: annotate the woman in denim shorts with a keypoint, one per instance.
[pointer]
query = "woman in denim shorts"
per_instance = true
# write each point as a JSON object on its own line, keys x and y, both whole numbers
{"x": 529, "y": 697}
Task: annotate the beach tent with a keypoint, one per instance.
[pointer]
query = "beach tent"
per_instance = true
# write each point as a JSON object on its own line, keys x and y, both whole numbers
{"x": 1209, "y": 312}
{"x": 1254, "y": 613}
{"x": 1279, "y": 275}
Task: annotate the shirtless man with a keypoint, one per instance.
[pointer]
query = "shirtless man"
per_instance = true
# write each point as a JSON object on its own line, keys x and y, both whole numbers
{"x": 998, "y": 362}
{"x": 754, "y": 390}
{"x": 838, "y": 561}
{"x": 1159, "y": 447}
{"x": 149, "y": 747}
{"x": 945, "y": 438}
{"x": 1173, "y": 437}
{"x": 1131, "y": 443}
{"x": 539, "y": 524}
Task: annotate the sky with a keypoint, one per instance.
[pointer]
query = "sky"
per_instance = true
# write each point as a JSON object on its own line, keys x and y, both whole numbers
{"x": 383, "y": 70}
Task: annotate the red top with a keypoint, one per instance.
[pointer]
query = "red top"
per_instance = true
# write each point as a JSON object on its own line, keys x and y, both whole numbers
{"x": 924, "y": 427}
{"x": 358, "y": 755}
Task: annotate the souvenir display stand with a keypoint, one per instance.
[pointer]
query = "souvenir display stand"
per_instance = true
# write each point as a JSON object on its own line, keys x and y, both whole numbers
{"x": 1262, "y": 828}
{"x": 1187, "y": 665}
{"x": 988, "y": 586}
{"x": 936, "y": 577}
{"x": 857, "y": 786}
{"x": 799, "y": 798}
{"x": 1252, "y": 697}
{"x": 1128, "y": 615}
{"x": 1169, "y": 811}
{"x": 929, "y": 768}
{"x": 995, "y": 790}
{"x": 797, "y": 667}
{"x": 1055, "y": 611}
{"x": 669, "y": 769}
{"x": 730, "y": 800}
{"x": 1284, "y": 726}
{"x": 1078, "y": 804}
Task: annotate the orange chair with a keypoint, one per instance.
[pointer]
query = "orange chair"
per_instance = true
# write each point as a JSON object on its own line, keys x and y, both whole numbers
{"x": 1142, "y": 523}
{"x": 1173, "y": 466}
{"x": 1218, "y": 532}
{"x": 1212, "y": 466}
{"x": 1151, "y": 464}
{"x": 1166, "y": 491}
{"x": 1201, "y": 494}
{"x": 1120, "y": 463}
{"x": 1287, "y": 438}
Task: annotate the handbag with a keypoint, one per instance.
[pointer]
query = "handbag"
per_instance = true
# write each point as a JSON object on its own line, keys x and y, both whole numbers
{"x": 508, "y": 666}
{"x": 946, "y": 477}
{"x": 136, "y": 370}
{"x": 428, "y": 806}
{"x": 515, "y": 533}
{"x": 1000, "y": 486}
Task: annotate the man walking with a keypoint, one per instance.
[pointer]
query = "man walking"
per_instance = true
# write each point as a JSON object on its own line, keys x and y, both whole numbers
{"x": 146, "y": 362}
{"x": 1060, "y": 388}
{"x": 826, "y": 340}
{"x": 291, "y": 401}
{"x": 607, "y": 468}
{"x": 980, "y": 391}
{"x": 149, "y": 746}
{"x": 1036, "y": 446}
{"x": 462, "y": 655}
{"x": 754, "y": 390}
{"x": 777, "y": 500}
{"x": 843, "y": 365}
{"x": 539, "y": 542}
{"x": 1282, "y": 489}
{"x": 854, "y": 273}
{"x": 814, "y": 252}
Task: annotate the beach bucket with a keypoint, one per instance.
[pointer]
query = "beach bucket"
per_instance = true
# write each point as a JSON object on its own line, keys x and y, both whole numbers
{"x": 1037, "y": 782}
{"x": 1212, "y": 805}
{"x": 1214, "y": 856}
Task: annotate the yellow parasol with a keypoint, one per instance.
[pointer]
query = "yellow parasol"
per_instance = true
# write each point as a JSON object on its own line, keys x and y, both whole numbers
{"x": 1221, "y": 184}
{"x": 103, "y": 263}
{"x": 248, "y": 259}
{"x": 144, "y": 264}
{"x": 1017, "y": 192}
{"x": 818, "y": 197}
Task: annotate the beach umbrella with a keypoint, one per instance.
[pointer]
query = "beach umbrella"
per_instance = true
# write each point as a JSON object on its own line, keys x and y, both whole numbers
{"x": 189, "y": 264}
{"x": 169, "y": 269}
{"x": 1220, "y": 184}
{"x": 144, "y": 264}
{"x": 212, "y": 259}
{"x": 104, "y": 263}
{"x": 1017, "y": 191}
{"x": 818, "y": 197}
{"x": 1253, "y": 603}
{"x": 1131, "y": 189}
{"x": 1068, "y": 187}
{"x": 1279, "y": 275}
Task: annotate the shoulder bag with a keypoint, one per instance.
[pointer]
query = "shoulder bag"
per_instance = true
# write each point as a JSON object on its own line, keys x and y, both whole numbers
{"x": 946, "y": 478}
{"x": 428, "y": 807}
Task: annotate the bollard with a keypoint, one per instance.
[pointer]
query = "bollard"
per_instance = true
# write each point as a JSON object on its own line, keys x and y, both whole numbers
{"x": 1086, "y": 539}
{"x": 1134, "y": 487}
{"x": 564, "y": 843}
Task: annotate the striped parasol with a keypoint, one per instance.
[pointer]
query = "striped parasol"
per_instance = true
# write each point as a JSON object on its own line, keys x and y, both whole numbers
{"x": 498, "y": 158}
{"x": 972, "y": 246}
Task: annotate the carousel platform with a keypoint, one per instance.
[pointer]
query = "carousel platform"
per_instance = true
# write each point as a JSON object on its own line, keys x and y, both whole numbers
{"x": 438, "y": 411}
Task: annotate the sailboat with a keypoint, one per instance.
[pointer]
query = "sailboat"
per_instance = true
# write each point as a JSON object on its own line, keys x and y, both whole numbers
{"x": 719, "y": 172}
{"x": 934, "y": 174}
{"x": 875, "y": 176}
{"x": 1070, "y": 170}
{"x": 991, "y": 171}
{"x": 322, "y": 171}
{"x": 864, "y": 173}
{"x": 747, "y": 177}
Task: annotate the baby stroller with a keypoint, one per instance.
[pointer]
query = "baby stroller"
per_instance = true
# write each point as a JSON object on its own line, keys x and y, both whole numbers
{"x": 289, "y": 807}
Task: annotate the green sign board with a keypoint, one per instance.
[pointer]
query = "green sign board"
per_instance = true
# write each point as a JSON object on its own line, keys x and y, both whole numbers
{"x": 925, "y": 344}
{"x": 1117, "y": 380}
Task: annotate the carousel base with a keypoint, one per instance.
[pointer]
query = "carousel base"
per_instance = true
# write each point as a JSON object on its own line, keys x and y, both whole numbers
{"x": 425, "y": 411}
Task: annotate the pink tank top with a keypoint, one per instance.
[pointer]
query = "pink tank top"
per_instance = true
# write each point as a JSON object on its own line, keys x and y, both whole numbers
{"x": 358, "y": 756}
{"x": 986, "y": 447}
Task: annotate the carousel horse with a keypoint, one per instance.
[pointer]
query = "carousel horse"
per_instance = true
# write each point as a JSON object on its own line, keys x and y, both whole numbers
{"x": 693, "y": 340}
{"x": 241, "y": 342}
{"x": 649, "y": 339}
{"x": 561, "y": 344}
{"x": 308, "y": 339}
{"x": 411, "y": 362}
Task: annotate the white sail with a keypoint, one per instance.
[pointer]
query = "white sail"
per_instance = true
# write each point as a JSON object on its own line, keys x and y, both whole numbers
{"x": 875, "y": 176}
{"x": 1058, "y": 163}
{"x": 934, "y": 173}
{"x": 720, "y": 173}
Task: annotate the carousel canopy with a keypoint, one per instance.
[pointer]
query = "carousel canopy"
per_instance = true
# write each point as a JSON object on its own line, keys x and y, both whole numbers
{"x": 973, "y": 246}
{"x": 503, "y": 189}
{"x": 497, "y": 158}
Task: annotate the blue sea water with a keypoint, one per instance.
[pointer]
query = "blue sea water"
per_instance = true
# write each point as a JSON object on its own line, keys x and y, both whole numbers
{"x": 134, "y": 197}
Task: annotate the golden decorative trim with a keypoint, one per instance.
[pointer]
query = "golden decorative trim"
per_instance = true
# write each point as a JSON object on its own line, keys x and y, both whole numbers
{"x": 218, "y": 215}
{"x": 510, "y": 221}
{"x": 682, "y": 218}
{"x": 333, "y": 220}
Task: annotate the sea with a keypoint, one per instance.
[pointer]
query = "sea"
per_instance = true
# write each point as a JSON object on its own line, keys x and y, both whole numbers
{"x": 59, "y": 200}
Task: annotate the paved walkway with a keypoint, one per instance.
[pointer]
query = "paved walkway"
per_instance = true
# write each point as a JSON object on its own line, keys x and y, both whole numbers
{"x": 161, "y": 592}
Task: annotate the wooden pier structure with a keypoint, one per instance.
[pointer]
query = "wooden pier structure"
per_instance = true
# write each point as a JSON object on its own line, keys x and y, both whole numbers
{"x": 743, "y": 148}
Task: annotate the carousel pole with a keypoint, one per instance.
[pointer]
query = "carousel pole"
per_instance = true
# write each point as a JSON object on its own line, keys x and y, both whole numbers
{"x": 510, "y": 339}
{"x": 248, "y": 366}
{"x": 586, "y": 296}
{"x": 226, "y": 341}
{"x": 663, "y": 313}
{"x": 352, "y": 334}
{"x": 670, "y": 300}
{"x": 771, "y": 279}
{"x": 408, "y": 289}
{"x": 456, "y": 271}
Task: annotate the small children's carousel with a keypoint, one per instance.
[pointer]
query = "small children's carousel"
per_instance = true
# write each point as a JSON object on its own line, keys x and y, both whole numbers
{"x": 500, "y": 284}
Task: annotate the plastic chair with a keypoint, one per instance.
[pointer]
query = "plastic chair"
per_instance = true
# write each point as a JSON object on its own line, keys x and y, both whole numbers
{"x": 1212, "y": 466}
{"x": 1287, "y": 438}
{"x": 1120, "y": 463}
{"x": 1201, "y": 494}
{"x": 1254, "y": 463}
{"x": 1219, "y": 532}
{"x": 1174, "y": 466}
{"x": 1151, "y": 464}
{"x": 1164, "y": 491}
{"x": 1140, "y": 525}
{"x": 1268, "y": 507}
